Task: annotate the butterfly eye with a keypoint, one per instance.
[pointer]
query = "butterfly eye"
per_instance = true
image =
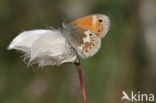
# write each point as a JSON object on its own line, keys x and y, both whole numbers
{"x": 86, "y": 51}
{"x": 100, "y": 20}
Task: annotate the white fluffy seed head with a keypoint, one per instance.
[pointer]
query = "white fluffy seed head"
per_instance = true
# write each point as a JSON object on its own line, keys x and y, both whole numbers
{"x": 45, "y": 47}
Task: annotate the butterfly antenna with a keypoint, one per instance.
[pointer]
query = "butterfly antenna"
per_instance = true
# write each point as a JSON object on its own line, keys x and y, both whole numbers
{"x": 65, "y": 22}
{"x": 77, "y": 63}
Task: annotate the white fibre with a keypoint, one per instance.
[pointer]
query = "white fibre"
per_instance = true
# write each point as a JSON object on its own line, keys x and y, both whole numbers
{"x": 45, "y": 47}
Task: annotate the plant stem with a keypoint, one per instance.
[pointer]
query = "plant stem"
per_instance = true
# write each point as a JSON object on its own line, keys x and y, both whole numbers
{"x": 82, "y": 85}
{"x": 77, "y": 63}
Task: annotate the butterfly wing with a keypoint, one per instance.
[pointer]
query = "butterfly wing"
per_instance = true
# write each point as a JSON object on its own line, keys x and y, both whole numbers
{"x": 85, "y": 33}
{"x": 45, "y": 47}
{"x": 91, "y": 45}
{"x": 84, "y": 41}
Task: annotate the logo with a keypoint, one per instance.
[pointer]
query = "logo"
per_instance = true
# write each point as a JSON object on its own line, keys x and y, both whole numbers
{"x": 137, "y": 97}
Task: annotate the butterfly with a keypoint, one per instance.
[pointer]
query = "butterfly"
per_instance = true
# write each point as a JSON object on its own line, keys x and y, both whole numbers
{"x": 82, "y": 37}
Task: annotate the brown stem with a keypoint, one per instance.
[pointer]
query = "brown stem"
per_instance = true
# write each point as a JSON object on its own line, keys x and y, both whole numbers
{"x": 82, "y": 84}
{"x": 77, "y": 63}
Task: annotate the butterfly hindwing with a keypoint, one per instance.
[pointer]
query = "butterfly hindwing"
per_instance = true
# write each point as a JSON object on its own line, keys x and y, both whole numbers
{"x": 84, "y": 41}
{"x": 91, "y": 44}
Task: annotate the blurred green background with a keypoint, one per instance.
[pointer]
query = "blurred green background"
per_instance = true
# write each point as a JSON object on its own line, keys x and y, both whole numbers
{"x": 126, "y": 60}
